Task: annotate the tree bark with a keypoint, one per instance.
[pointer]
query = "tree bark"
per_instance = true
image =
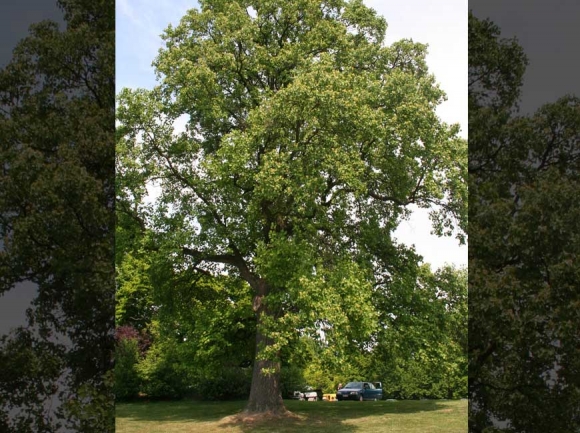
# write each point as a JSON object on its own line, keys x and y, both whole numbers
{"x": 265, "y": 393}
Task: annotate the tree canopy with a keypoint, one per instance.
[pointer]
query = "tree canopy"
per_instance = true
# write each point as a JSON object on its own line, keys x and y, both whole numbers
{"x": 308, "y": 140}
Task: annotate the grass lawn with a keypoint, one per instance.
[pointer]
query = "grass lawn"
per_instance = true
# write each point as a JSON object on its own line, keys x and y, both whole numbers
{"x": 417, "y": 416}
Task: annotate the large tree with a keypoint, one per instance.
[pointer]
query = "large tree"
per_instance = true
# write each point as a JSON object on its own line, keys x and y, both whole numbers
{"x": 308, "y": 140}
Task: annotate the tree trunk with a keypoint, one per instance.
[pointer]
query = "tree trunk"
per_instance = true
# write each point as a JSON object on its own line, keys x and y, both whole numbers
{"x": 265, "y": 393}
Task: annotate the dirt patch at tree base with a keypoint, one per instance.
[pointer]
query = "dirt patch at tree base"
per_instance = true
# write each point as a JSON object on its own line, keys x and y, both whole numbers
{"x": 261, "y": 417}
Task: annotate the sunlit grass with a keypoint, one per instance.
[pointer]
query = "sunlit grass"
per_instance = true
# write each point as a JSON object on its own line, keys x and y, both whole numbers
{"x": 422, "y": 416}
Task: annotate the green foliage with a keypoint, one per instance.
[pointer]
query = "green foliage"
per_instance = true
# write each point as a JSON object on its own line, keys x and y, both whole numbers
{"x": 164, "y": 372}
{"x": 29, "y": 369}
{"x": 211, "y": 316}
{"x": 133, "y": 299}
{"x": 230, "y": 384}
{"x": 291, "y": 379}
{"x": 308, "y": 362}
{"x": 318, "y": 378}
{"x": 424, "y": 377}
{"x": 93, "y": 416}
{"x": 126, "y": 383}
{"x": 421, "y": 349}
{"x": 172, "y": 369}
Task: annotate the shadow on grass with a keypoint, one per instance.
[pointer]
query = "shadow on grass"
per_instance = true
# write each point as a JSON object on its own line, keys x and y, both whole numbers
{"x": 183, "y": 410}
{"x": 337, "y": 417}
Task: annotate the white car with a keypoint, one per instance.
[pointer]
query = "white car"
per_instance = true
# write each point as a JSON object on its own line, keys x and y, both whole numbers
{"x": 308, "y": 394}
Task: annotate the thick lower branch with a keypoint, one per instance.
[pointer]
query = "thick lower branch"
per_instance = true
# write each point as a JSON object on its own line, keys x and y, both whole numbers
{"x": 235, "y": 259}
{"x": 216, "y": 258}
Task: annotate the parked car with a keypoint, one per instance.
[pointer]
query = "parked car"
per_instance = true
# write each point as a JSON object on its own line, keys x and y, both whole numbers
{"x": 360, "y": 391}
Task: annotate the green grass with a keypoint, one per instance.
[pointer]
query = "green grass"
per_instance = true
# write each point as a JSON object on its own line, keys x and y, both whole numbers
{"x": 418, "y": 416}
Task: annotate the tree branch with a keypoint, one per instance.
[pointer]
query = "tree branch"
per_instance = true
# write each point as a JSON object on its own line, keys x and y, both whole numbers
{"x": 216, "y": 258}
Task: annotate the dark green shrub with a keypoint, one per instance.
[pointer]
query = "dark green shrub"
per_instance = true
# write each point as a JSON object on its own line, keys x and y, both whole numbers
{"x": 291, "y": 379}
{"x": 231, "y": 384}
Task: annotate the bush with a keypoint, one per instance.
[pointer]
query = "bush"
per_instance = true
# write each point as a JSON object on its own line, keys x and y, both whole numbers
{"x": 126, "y": 384}
{"x": 233, "y": 384}
{"x": 163, "y": 373}
{"x": 412, "y": 380}
{"x": 291, "y": 379}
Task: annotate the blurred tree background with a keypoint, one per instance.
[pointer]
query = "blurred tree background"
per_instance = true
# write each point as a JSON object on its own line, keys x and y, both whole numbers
{"x": 57, "y": 222}
{"x": 524, "y": 223}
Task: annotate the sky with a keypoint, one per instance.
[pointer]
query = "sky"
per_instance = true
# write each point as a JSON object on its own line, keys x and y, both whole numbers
{"x": 548, "y": 31}
{"x": 16, "y": 17}
{"x": 442, "y": 25}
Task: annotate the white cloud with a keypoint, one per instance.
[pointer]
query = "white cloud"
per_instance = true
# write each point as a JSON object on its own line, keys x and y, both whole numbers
{"x": 124, "y": 8}
{"x": 437, "y": 251}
